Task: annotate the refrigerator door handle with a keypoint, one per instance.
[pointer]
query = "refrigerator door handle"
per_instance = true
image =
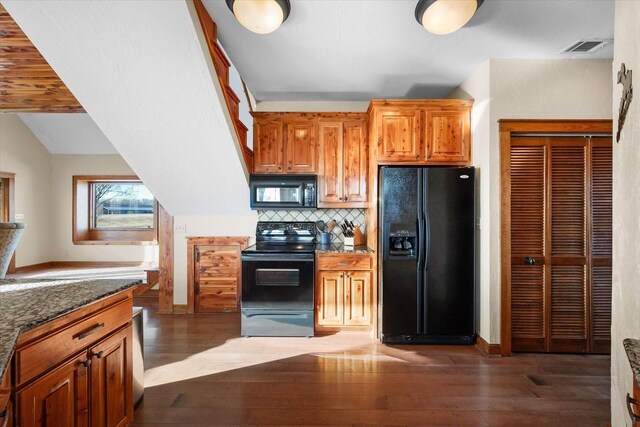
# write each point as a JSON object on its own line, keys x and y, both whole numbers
{"x": 420, "y": 242}
{"x": 427, "y": 250}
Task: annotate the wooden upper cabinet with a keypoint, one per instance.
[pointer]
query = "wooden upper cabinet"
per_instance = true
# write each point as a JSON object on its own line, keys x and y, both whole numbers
{"x": 422, "y": 132}
{"x": 399, "y": 135}
{"x": 448, "y": 137}
{"x": 301, "y": 147}
{"x": 268, "y": 147}
{"x": 356, "y": 161}
{"x": 331, "y": 163}
{"x": 285, "y": 143}
{"x": 342, "y": 168}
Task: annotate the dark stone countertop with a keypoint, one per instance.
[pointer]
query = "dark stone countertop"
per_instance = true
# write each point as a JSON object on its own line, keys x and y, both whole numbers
{"x": 28, "y": 303}
{"x": 339, "y": 248}
{"x": 632, "y": 347}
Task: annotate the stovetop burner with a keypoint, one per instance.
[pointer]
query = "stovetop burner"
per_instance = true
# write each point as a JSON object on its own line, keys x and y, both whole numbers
{"x": 284, "y": 237}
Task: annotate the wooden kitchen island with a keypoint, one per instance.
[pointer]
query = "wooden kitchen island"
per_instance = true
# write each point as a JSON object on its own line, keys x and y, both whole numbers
{"x": 65, "y": 352}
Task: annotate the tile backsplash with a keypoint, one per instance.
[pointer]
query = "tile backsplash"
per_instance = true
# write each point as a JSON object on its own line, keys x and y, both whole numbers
{"x": 354, "y": 215}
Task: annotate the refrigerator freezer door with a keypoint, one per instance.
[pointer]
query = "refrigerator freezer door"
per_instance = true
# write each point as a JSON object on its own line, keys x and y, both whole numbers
{"x": 400, "y": 207}
{"x": 449, "y": 268}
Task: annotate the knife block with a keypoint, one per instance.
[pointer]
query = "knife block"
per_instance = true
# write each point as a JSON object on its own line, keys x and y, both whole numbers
{"x": 357, "y": 239}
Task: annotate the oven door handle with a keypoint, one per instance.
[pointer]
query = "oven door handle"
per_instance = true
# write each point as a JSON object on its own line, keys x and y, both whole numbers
{"x": 278, "y": 315}
{"x": 279, "y": 258}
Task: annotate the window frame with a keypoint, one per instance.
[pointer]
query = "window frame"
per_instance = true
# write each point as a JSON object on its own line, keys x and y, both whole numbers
{"x": 84, "y": 230}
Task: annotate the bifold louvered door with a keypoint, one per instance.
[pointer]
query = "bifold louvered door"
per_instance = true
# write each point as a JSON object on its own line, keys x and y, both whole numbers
{"x": 560, "y": 244}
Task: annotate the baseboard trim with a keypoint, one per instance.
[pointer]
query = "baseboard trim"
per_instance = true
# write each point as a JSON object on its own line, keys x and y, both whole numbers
{"x": 32, "y": 267}
{"x": 180, "y": 309}
{"x": 489, "y": 350}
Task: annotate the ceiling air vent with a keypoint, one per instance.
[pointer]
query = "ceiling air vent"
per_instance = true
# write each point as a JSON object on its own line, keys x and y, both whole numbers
{"x": 585, "y": 46}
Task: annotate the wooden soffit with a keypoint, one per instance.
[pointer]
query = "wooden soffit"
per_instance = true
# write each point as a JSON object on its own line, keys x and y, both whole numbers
{"x": 27, "y": 81}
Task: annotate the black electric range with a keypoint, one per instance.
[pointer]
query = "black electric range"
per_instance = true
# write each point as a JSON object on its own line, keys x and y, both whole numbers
{"x": 278, "y": 275}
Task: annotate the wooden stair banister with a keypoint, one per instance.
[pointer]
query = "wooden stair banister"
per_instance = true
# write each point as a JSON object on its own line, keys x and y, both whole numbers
{"x": 221, "y": 65}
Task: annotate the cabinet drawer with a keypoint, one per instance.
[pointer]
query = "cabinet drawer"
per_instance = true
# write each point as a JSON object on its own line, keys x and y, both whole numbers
{"x": 41, "y": 355}
{"x": 344, "y": 262}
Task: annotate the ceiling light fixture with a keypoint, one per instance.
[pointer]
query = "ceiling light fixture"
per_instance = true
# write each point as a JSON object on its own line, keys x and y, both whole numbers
{"x": 445, "y": 16}
{"x": 260, "y": 16}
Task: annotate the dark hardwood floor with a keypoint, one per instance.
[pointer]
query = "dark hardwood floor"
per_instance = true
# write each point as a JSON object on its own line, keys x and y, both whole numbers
{"x": 199, "y": 371}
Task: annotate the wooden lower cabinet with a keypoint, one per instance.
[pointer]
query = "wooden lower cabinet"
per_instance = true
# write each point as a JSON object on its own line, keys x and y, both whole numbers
{"x": 60, "y": 398}
{"x": 215, "y": 273}
{"x": 111, "y": 379}
{"x": 91, "y": 388}
{"x": 344, "y": 298}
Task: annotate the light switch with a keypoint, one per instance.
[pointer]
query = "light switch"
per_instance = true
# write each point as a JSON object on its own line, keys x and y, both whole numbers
{"x": 180, "y": 228}
{"x": 19, "y": 217}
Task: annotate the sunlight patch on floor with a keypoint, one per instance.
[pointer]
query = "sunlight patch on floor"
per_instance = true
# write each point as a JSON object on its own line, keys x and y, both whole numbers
{"x": 241, "y": 353}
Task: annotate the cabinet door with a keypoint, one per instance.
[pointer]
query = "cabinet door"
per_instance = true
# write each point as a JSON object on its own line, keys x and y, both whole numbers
{"x": 357, "y": 298}
{"x": 399, "y": 136}
{"x": 216, "y": 278}
{"x": 355, "y": 163}
{"x": 59, "y": 398}
{"x": 330, "y": 298}
{"x": 301, "y": 147}
{"x": 268, "y": 147}
{"x": 448, "y": 136}
{"x": 112, "y": 381}
{"x": 330, "y": 165}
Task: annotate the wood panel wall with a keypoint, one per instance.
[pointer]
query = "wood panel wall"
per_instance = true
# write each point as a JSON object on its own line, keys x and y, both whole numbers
{"x": 27, "y": 81}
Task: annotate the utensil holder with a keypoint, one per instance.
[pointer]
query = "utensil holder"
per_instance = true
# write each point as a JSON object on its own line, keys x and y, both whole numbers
{"x": 325, "y": 238}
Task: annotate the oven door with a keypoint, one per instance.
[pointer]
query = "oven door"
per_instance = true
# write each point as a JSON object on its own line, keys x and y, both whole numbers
{"x": 278, "y": 281}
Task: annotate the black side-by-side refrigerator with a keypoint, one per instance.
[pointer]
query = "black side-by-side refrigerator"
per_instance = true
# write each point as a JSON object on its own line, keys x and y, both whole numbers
{"x": 427, "y": 236}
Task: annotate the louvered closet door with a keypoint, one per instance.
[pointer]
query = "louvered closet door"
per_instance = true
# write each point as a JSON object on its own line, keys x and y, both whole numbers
{"x": 528, "y": 237}
{"x": 601, "y": 229}
{"x": 568, "y": 271}
{"x": 561, "y": 193}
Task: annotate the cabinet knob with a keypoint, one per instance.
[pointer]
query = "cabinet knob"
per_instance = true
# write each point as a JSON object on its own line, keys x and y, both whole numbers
{"x": 279, "y": 168}
{"x": 346, "y": 198}
{"x": 289, "y": 168}
{"x": 429, "y": 156}
{"x": 417, "y": 156}
{"x": 529, "y": 260}
{"x": 341, "y": 276}
{"x": 86, "y": 363}
{"x": 99, "y": 354}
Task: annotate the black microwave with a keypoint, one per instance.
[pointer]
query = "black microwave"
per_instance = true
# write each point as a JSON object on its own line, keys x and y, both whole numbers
{"x": 283, "y": 191}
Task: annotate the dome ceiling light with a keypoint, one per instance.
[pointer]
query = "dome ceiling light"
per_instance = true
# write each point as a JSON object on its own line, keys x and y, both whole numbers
{"x": 260, "y": 16}
{"x": 445, "y": 16}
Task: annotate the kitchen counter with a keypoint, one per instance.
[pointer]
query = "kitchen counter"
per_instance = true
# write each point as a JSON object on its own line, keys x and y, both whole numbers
{"x": 28, "y": 303}
{"x": 632, "y": 347}
{"x": 339, "y": 248}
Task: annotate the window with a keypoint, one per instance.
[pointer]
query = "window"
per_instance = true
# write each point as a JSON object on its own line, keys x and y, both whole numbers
{"x": 113, "y": 210}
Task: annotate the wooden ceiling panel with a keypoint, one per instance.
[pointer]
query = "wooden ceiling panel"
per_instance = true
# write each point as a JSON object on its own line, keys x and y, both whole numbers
{"x": 27, "y": 81}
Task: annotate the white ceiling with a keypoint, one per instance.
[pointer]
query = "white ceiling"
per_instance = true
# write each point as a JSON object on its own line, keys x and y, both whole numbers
{"x": 348, "y": 50}
{"x": 68, "y": 133}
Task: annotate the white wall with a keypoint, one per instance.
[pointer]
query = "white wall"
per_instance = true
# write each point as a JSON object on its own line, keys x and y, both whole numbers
{"x": 477, "y": 86}
{"x": 21, "y": 153}
{"x": 522, "y": 89}
{"x": 626, "y": 213}
{"x": 313, "y": 106}
{"x": 64, "y": 167}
